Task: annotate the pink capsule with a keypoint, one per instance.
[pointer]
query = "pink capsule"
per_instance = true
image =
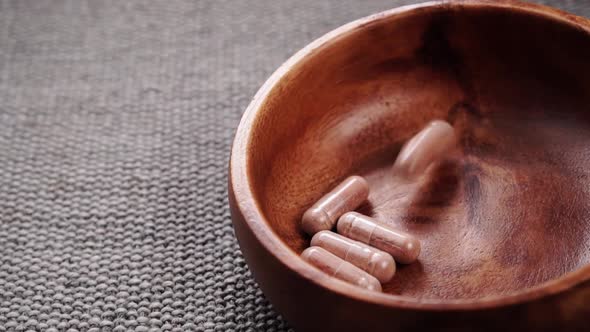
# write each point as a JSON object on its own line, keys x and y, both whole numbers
{"x": 347, "y": 196}
{"x": 339, "y": 268}
{"x": 403, "y": 247}
{"x": 374, "y": 261}
{"x": 428, "y": 146}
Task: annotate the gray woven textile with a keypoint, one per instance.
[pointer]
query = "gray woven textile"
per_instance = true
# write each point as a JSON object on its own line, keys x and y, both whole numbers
{"x": 116, "y": 120}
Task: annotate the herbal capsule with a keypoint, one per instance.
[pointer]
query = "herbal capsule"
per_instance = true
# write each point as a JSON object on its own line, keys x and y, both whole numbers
{"x": 339, "y": 268}
{"x": 374, "y": 261}
{"x": 403, "y": 247}
{"x": 425, "y": 148}
{"x": 347, "y": 196}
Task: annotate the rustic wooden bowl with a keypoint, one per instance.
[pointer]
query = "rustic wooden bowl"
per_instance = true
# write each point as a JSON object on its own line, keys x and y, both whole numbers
{"x": 504, "y": 220}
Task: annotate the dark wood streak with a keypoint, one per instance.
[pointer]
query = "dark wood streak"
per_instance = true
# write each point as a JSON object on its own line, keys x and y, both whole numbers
{"x": 504, "y": 220}
{"x": 473, "y": 190}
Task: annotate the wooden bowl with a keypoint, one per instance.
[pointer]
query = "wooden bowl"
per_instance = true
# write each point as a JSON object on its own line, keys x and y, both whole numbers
{"x": 504, "y": 220}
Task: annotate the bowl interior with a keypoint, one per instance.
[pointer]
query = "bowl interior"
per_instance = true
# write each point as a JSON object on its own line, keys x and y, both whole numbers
{"x": 508, "y": 209}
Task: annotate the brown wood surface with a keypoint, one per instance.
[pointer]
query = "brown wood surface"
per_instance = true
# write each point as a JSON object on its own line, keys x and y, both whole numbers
{"x": 503, "y": 220}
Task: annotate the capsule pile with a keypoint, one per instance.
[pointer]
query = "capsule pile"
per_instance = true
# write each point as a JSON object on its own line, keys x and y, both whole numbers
{"x": 364, "y": 251}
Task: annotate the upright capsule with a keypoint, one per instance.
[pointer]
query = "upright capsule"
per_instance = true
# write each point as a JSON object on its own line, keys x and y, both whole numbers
{"x": 339, "y": 268}
{"x": 347, "y": 196}
{"x": 374, "y": 261}
{"x": 428, "y": 146}
{"x": 402, "y": 246}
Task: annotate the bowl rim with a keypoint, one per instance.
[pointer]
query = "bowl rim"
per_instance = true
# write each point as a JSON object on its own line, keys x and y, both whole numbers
{"x": 245, "y": 202}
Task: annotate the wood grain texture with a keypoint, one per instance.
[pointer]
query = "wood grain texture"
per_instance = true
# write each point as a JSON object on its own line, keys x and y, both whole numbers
{"x": 503, "y": 220}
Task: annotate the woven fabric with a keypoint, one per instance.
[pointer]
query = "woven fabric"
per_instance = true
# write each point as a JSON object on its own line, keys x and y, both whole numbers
{"x": 116, "y": 120}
